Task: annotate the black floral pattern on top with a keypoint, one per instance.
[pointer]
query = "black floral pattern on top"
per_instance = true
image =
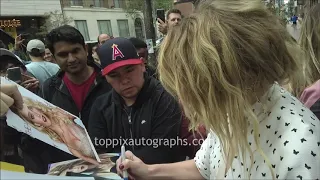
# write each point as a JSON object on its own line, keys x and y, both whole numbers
{"x": 289, "y": 138}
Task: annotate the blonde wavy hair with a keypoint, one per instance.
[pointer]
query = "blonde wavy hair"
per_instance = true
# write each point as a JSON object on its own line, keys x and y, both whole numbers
{"x": 310, "y": 41}
{"x": 220, "y": 60}
{"x": 50, "y": 112}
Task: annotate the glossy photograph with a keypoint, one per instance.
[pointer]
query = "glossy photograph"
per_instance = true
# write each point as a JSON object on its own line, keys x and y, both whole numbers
{"x": 52, "y": 125}
{"x": 105, "y": 169}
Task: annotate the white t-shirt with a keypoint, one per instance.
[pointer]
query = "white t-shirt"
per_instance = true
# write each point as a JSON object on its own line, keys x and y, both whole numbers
{"x": 289, "y": 137}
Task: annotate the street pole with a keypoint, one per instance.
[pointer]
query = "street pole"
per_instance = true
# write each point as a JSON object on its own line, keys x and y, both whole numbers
{"x": 150, "y": 30}
{"x": 279, "y": 5}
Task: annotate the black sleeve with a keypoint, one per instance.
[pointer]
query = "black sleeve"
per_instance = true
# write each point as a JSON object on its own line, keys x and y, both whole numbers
{"x": 97, "y": 125}
{"x": 165, "y": 127}
{"x": 44, "y": 90}
{"x": 315, "y": 108}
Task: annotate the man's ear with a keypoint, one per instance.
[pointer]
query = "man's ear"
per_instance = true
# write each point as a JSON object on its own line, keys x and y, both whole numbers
{"x": 107, "y": 78}
{"x": 142, "y": 59}
{"x": 143, "y": 66}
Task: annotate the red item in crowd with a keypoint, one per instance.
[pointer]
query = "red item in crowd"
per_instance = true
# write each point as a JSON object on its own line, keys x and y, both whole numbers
{"x": 79, "y": 91}
{"x": 194, "y": 138}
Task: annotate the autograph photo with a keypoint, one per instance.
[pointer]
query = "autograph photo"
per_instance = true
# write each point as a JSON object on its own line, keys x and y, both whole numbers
{"x": 105, "y": 169}
{"x": 52, "y": 125}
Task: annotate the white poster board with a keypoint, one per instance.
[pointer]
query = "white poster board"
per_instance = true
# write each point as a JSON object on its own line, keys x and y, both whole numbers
{"x": 52, "y": 125}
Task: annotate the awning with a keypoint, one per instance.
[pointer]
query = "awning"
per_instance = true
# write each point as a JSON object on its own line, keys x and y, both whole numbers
{"x": 6, "y": 38}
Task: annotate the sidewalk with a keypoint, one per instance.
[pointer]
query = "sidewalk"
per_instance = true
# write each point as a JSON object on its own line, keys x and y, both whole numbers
{"x": 294, "y": 31}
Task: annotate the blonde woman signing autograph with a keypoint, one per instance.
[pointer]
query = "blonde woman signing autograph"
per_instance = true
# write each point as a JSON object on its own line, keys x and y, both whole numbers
{"x": 223, "y": 63}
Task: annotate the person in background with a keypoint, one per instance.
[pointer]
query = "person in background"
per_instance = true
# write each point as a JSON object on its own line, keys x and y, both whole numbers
{"x": 11, "y": 138}
{"x": 137, "y": 107}
{"x": 93, "y": 59}
{"x": 294, "y": 20}
{"x": 310, "y": 43}
{"x": 225, "y": 63}
{"x": 102, "y": 38}
{"x": 173, "y": 18}
{"x": 95, "y": 55}
{"x": 48, "y": 56}
{"x": 40, "y": 68}
{"x": 74, "y": 89}
{"x": 11, "y": 141}
{"x": 10, "y": 60}
{"x": 142, "y": 50}
{"x": 2, "y": 45}
{"x": 20, "y": 49}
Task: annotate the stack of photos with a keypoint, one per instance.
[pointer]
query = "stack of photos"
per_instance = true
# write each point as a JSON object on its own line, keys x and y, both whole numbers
{"x": 105, "y": 169}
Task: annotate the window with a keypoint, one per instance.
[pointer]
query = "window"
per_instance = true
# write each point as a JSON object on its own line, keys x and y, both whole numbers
{"x": 81, "y": 25}
{"x": 119, "y": 3}
{"x": 138, "y": 28}
{"x": 76, "y": 3}
{"x": 123, "y": 28}
{"x": 105, "y": 27}
{"x": 116, "y": 3}
{"x": 98, "y": 3}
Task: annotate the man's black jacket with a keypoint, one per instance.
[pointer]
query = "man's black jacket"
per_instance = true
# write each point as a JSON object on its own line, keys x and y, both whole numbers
{"x": 37, "y": 155}
{"x": 154, "y": 115}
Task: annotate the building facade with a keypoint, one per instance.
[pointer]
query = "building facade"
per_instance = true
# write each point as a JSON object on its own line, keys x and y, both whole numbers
{"x": 25, "y": 16}
{"x": 94, "y": 17}
{"x": 185, "y": 6}
{"x": 302, "y": 6}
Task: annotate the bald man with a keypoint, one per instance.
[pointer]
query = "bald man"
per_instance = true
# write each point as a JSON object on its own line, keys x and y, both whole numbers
{"x": 102, "y": 38}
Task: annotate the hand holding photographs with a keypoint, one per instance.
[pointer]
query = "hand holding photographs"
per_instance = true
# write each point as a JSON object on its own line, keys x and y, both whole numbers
{"x": 52, "y": 125}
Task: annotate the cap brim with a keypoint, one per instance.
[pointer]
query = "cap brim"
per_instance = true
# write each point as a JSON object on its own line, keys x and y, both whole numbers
{"x": 118, "y": 64}
{"x": 5, "y": 52}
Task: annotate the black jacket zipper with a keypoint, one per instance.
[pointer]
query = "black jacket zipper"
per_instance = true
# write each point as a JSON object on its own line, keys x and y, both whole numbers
{"x": 95, "y": 83}
{"x": 130, "y": 125}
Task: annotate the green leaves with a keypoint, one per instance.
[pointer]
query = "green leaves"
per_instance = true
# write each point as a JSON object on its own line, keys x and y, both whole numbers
{"x": 136, "y": 6}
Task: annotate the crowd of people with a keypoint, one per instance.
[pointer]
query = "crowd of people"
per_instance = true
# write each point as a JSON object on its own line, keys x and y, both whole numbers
{"x": 236, "y": 79}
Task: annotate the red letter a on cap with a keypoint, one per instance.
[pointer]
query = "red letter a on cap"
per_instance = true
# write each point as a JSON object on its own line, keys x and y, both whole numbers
{"x": 116, "y": 52}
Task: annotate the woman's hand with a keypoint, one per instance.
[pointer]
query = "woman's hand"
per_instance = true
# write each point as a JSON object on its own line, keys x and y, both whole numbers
{"x": 136, "y": 168}
{"x": 10, "y": 95}
{"x": 140, "y": 171}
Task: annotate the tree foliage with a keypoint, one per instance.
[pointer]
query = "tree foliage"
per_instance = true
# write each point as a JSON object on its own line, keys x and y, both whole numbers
{"x": 53, "y": 20}
{"x": 278, "y": 11}
{"x": 135, "y": 6}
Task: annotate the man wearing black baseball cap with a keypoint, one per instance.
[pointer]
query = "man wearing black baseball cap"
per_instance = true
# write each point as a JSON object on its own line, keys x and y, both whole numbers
{"x": 138, "y": 108}
{"x": 10, "y": 60}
